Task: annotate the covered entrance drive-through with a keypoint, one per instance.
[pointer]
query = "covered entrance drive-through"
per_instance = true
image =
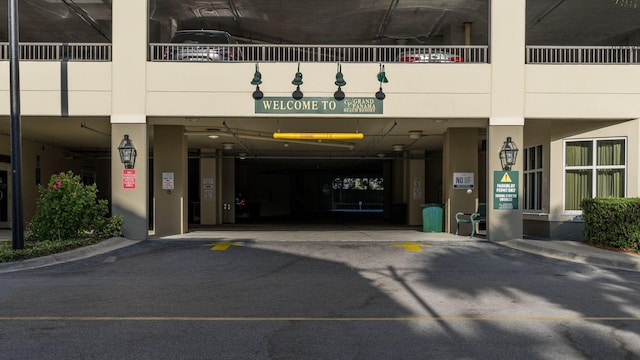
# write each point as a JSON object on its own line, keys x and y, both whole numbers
{"x": 238, "y": 172}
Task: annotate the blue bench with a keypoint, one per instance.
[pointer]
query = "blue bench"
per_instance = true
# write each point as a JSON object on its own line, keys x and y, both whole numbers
{"x": 476, "y": 218}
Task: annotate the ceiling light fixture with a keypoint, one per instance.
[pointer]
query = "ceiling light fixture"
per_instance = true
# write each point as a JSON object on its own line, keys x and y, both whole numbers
{"x": 397, "y": 147}
{"x": 213, "y": 136}
{"x": 415, "y": 134}
{"x": 227, "y": 146}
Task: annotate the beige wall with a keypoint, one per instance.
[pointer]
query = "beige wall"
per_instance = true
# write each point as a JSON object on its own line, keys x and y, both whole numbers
{"x": 460, "y": 151}
{"x": 564, "y": 130}
{"x": 170, "y": 156}
{"x": 209, "y": 199}
{"x": 582, "y": 91}
{"x": 415, "y": 183}
{"x": 52, "y": 161}
{"x": 186, "y": 89}
{"x": 89, "y": 88}
{"x": 552, "y": 221}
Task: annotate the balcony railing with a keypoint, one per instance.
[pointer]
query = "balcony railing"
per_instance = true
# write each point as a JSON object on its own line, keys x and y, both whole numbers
{"x": 329, "y": 53}
{"x": 318, "y": 53}
{"x": 583, "y": 55}
{"x": 59, "y": 52}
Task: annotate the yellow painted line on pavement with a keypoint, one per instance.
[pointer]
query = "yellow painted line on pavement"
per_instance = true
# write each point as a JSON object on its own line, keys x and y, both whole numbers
{"x": 222, "y": 246}
{"x": 221, "y": 319}
{"x": 409, "y": 246}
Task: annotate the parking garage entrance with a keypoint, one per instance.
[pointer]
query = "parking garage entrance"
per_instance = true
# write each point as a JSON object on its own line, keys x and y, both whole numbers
{"x": 313, "y": 191}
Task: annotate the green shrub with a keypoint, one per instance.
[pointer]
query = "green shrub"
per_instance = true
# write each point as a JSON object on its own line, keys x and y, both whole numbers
{"x": 33, "y": 249}
{"x": 67, "y": 209}
{"x": 612, "y": 222}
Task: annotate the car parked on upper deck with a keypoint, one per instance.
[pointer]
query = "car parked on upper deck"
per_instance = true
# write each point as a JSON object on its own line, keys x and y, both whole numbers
{"x": 202, "y": 45}
{"x": 430, "y": 56}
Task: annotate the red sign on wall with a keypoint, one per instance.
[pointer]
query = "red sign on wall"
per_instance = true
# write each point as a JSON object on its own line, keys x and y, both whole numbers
{"x": 129, "y": 179}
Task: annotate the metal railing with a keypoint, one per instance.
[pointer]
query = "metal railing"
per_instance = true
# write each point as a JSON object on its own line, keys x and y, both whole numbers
{"x": 311, "y": 53}
{"x": 329, "y": 53}
{"x": 583, "y": 54}
{"x": 59, "y": 52}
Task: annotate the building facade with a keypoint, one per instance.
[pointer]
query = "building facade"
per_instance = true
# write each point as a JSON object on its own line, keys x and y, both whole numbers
{"x": 202, "y": 137}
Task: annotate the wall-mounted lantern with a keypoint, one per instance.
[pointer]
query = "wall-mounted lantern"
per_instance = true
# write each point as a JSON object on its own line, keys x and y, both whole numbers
{"x": 508, "y": 154}
{"x": 339, "y": 94}
{"x": 257, "y": 80}
{"x": 297, "y": 81}
{"x": 127, "y": 152}
{"x": 382, "y": 78}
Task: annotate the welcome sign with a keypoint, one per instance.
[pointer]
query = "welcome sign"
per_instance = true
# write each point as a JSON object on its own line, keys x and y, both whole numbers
{"x": 318, "y": 105}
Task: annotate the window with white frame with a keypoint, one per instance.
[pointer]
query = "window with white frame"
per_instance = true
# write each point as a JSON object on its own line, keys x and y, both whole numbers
{"x": 533, "y": 178}
{"x": 594, "y": 168}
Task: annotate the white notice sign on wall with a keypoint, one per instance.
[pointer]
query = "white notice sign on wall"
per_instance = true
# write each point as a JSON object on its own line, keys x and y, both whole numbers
{"x": 167, "y": 181}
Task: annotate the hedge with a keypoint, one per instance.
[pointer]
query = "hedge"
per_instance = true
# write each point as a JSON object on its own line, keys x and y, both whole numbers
{"x": 612, "y": 222}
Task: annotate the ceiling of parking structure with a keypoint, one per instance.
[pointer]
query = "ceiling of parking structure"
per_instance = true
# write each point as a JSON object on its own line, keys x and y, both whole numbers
{"x": 382, "y": 137}
{"x": 328, "y": 21}
{"x": 549, "y": 22}
{"x": 60, "y": 20}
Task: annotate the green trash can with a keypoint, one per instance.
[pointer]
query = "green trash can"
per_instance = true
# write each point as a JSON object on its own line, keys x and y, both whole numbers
{"x": 431, "y": 217}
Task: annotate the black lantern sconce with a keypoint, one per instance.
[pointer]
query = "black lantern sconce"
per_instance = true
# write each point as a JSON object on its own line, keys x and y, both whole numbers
{"x": 257, "y": 80}
{"x": 127, "y": 153}
{"x": 508, "y": 154}
{"x": 339, "y": 94}
{"x": 382, "y": 78}
{"x": 297, "y": 81}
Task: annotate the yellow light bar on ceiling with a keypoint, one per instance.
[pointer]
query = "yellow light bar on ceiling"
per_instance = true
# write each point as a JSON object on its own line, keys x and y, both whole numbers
{"x": 318, "y": 136}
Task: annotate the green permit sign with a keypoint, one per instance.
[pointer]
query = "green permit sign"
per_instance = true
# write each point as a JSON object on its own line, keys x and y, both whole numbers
{"x": 505, "y": 190}
{"x": 318, "y": 105}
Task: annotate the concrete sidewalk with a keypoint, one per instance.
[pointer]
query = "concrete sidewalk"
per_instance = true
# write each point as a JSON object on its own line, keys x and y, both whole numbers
{"x": 558, "y": 249}
{"x": 576, "y": 251}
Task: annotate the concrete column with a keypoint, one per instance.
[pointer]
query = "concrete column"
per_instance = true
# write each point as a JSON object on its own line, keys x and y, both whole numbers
{"x": 460, "y": 153}
{"x": 131, "y": 199}
{"x": 208, "y": 188}
{"x": 129, "y": 43}
{"x": 504, "y": 224}
{"x": 228, "y": 190}
{"x": 387, "y": 196}
{"x": 415, "y": 185}
{"x": 170, "y": 186}
{"x": 398, "y": 192}
{"x": 507, "y": 43}
{"x": 129, "y": 61}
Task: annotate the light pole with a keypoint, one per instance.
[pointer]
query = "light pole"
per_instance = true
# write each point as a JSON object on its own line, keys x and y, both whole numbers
{"x": 16, "y": 135}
